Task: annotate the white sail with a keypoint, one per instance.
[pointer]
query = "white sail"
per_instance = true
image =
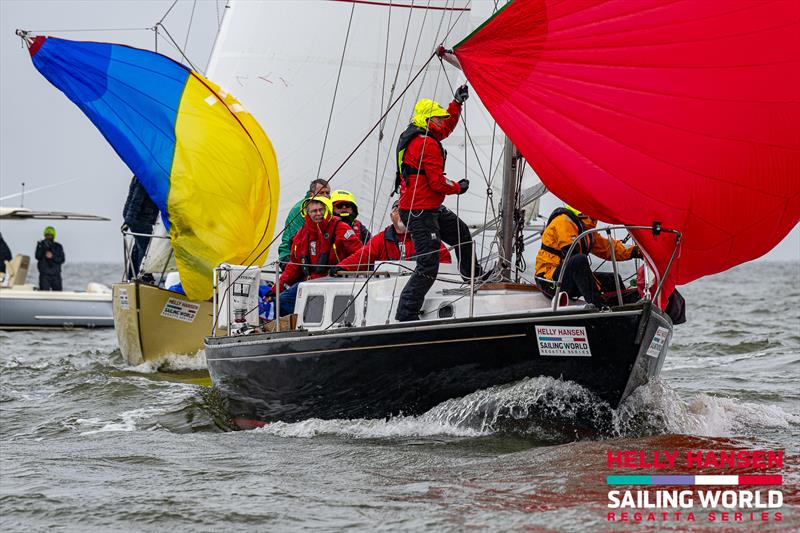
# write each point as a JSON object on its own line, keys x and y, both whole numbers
{"x": 282, "y": 61}
{"x": 159, "y": 257}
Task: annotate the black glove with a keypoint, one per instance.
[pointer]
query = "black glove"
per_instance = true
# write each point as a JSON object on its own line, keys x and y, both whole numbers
{"x": 334, "y": 271}
{"x": 464, "y": 184}
{"x": 636, "y": 253}
{"x": 461, "y": 94}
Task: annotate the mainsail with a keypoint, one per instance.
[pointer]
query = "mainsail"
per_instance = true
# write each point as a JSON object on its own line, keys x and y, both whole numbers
{"x": 296, "y": 64}
{"x": 203, "y": 159}
{"x": 678, "y": 112}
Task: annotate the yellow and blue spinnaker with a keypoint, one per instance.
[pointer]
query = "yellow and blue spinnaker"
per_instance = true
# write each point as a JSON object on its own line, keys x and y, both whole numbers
{"x": 201, "y": 157}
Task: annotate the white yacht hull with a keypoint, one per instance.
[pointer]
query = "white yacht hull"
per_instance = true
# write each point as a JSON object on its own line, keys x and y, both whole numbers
{"x": 22, "y": 307}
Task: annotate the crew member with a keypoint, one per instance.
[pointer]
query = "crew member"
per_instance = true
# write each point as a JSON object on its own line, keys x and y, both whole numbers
{"x": 295, "y": 221}
{"x": 423, "y": 187}
{"x": 139, "y": 214}
{"x": 563, "y": 227}
{"x": 391, "y": 244}
{"x": 322, "y": 242}
{"x": 50, "y": 257}
{"x": 346, "y": 208}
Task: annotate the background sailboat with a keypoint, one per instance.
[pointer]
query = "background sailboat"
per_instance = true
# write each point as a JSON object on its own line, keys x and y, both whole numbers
{"x": 202, "y": 158}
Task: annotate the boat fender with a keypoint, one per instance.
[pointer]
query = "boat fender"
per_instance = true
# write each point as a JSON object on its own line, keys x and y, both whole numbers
{"x": 98, "y": 288}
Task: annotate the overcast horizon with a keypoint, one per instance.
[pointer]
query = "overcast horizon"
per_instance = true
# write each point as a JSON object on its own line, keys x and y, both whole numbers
{"x": 45, "y": 140}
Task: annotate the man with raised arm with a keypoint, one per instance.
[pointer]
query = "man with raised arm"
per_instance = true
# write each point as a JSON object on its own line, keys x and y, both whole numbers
{"x": 423, "y": 187}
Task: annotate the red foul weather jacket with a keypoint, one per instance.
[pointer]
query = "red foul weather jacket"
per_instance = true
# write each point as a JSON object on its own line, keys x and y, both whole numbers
{"x": 386, "y": 246}
{"x": 427, "y": 191}
{"x": 318, "y": 246}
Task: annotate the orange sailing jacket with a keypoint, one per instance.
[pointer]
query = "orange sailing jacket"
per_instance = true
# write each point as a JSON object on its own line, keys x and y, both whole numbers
{"x": 559, "y": 234}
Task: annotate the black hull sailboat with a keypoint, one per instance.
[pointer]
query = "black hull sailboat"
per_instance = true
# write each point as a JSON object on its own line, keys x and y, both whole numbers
{"x": 381, "y": 371}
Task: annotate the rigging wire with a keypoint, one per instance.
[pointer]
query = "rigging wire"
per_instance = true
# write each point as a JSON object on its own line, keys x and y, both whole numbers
{"x": 167, "y": 12}
{"x": 189, "y": 29}
{"x": 178, "y": 48}
{"x": 88, "y": 30}
{"x": 335, "y": 90}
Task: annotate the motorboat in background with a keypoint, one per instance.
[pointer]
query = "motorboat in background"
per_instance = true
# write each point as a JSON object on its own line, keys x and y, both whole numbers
{"x": 23, "y": 306}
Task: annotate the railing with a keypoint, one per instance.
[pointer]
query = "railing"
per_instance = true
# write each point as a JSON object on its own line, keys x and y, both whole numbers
{"x": 222, "y": 273}
{"x": 128, "y": 242}
{"x": 656, "y": 229}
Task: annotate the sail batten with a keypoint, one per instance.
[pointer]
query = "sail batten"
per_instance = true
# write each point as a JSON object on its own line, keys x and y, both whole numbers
{"x": 655, "y": 111}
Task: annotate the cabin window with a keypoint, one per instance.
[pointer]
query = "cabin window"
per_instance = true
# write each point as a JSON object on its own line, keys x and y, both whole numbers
{"x": 315, "y": 308}
{"x": 446, "y": 311}
{"x": 343, "y": 310}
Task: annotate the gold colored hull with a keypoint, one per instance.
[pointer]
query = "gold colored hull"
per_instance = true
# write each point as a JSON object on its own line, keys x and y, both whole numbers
{"x": 152, "y": 323}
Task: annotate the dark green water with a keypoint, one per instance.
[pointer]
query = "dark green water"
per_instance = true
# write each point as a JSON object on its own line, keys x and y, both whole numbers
{"x": 88, "y": 443}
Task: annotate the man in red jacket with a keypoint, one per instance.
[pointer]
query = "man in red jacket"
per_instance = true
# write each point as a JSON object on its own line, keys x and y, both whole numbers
{"x": 423, "y": 187}
{"x": 393, "y": 243}
{"x": 322, "y": 242}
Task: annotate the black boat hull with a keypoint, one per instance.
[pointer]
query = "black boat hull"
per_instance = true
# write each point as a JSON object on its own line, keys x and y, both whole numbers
{"x": 409, "y": 368}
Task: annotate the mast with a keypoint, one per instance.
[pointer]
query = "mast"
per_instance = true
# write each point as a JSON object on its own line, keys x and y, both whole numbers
{"x": 508, "y": 207}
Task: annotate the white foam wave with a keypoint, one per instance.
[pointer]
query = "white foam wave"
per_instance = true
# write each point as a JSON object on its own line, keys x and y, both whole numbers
{"x": 401, "y": 426}
{"x": 552, "y": 409}
{"x": 481, "y": 413}
{"x": 658, "y": 406}
{"x": 127, "y": 421}
{"x": 173, "y": 363}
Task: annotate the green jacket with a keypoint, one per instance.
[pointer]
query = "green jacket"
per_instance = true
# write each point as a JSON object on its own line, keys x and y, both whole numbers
{"x": 293, "y": 224}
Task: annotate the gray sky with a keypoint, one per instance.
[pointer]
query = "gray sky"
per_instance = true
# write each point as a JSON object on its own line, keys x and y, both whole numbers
{"x": 45, "y": 139}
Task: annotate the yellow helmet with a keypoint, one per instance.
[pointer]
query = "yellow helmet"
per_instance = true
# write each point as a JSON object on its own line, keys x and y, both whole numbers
{"x": 574, "y": 211}
{"x": 340, "y": 195}
{"x": 425, "y": 109}
{"x": 50, "y": 230}
{"x": 324, "y": 200}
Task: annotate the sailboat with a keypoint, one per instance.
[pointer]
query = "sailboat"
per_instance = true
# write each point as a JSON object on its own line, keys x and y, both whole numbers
{"x": 657, "y": 134}
{"x": 202, "y": 159}
{"x": 23, "y": 306}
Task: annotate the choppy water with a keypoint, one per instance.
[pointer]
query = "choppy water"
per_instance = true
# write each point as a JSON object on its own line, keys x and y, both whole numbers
{"x": 88, "y": 443}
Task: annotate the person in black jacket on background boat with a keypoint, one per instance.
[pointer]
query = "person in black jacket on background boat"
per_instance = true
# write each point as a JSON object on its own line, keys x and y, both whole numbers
{"x": 5, "y": 254}
{"x": 50, "y": 257}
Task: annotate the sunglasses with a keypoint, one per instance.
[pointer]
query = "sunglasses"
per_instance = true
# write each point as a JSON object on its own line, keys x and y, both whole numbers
{"x": 339, "y": 205}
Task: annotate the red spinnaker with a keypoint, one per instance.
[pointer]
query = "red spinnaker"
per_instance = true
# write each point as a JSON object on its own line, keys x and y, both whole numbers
{"x": 682, "y": 112}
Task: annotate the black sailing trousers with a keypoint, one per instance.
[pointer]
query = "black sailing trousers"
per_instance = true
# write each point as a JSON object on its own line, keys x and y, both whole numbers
{"x": 427, "y": 228}
{"x": 50, "y": 282}
{"x": 580, "y": 281}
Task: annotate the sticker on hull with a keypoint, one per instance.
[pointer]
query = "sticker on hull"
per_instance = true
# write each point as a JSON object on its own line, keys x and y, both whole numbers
{"x": 658, "y": 342}
{"x": 123, "y": 299}
{"x": 563, "y": 341}
{"x": 180, "y": 310}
